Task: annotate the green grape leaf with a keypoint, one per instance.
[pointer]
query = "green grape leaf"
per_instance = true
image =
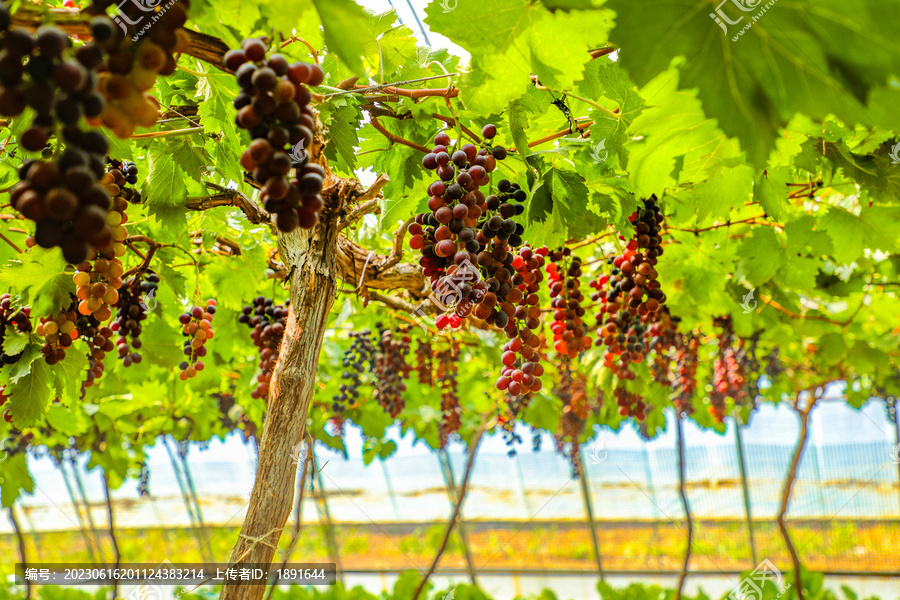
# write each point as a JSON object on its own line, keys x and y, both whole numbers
{"x": 338, "y": 18}
{"x": 16, "y": 479}
{"x": 876, "y": 228}
{"x": 68, "y": 375}
{"x": 753, "y": 80}
{"x": 42, "y": 279}
{"x": 30, "y": 395}
{"x": 13, "y": 341}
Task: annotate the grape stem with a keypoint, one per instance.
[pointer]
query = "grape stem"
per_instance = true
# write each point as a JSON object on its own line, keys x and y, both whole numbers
{"x": 804, "y": 317}
{"x": 10, "y": 242}
{"x": 729, "y": 223}
{"x": 295, "y": 38}
{"x": 170, "y": 133}
{"x": 395, "y": 138}
{"x": 393, "y": 89}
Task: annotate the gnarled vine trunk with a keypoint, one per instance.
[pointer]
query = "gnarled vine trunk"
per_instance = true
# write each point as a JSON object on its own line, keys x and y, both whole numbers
{"x": 313, "y": 272}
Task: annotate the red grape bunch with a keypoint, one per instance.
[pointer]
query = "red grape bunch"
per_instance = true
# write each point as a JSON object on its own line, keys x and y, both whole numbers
{"x": 42, "y": 72}
{"x": 390, "y": 369}
{"x": 119, "y": 174}
{"x": 685, "y": 380}
{"x": 97, "y": 286}
{"x": 631, "y": 404}
{"x": 58, "y": 332}
{"x": 17, "y": 319}
{"x": 728, "y": 373}
{"x": 572, "y": 390}
{"x": 448, "y": 359}
{"x": 466, "y": 234}
{"x": 273, "y": 106}
{"x": 522, "y": 369}
{"x": 132, "y": 309}
{"x": 99, "y": 341}
{"x": 197, "y": 327}
{"x": 131, "y": 59}
{"x": 267, "y": 320}
{"x": 425, "y": 363}
{"x": 570, "y": 335}
{"x": 630, "y": 295}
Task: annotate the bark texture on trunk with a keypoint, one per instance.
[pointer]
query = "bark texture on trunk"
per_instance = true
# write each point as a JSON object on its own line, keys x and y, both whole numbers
{"x": 313, "y": 274}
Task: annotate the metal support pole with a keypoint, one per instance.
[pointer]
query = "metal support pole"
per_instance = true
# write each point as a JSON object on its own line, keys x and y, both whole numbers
{"x": 190, "y": 485}
{"x": 187, "y": 502}
{"x": 87, "y": 506}
{"x": 649, "y": 476}
{"x": 81, "y": 522}
{"x": 522, "y": 485}
{"x": 746, "y": 490}
{"x": 390, "y": 488}
{"x": 450, "y": 480}
{"x": 589, "y": 510}
{"x": 322, "y": 505}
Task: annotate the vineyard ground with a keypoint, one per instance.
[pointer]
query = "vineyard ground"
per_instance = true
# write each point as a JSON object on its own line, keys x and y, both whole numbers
{"x": 841, "y": 547}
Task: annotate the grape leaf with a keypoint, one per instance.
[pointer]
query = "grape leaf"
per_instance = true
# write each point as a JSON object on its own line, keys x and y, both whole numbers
{"x": 16, "y": 479}
{"x": 42, "y": 279}
{"x": 338, "y": 18}
{"x": 13, "y": 341}
{"x": 164, "y": 190}
{"x": 30, "y": 395}
{"x": 876, "y": 228}
{"x": 672, "y": 126}
{"x": 68, "y": 375}
{"x": 753, "y": 84}
{"x": 514, "y": 39}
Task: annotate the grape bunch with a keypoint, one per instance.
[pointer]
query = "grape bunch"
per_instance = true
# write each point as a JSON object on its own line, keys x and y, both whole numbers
{"x": 630, "y": 295}
{"x": 42, "y": 72}
{"x": 58, "y": 332}
{"x": 132, "y": 309}
{"x": 466, "y": 234}
{"x": 572, "y": 390}
{"x": 132, "y": 58}
{"x": 661, "y": 338}
{"x": 197, "y": 327}
{"x": 118, "y": 175}
{"x": 425, "y": 363}
{"x": 267, "y": 320}
{"x": 570, "y": 335}
{"x": 685, "y": 379}
{"x": 358, "y": 359}
{"x": 273, "y": 106}
{"x": 774, "y": 366}
{"x": 521, "y": 371}
{"x": 390, "y": 369}
{"x": 446, "y": 379}
{"x": 18, "y": 319}
{"x": 97, "y": 286}
{"x": 631, "y": 404}
{"x": 99, "y": 341}
{"x": 67, "y": 203}
{"x": 728, "y": 374}
{"x": 144, "y": 480}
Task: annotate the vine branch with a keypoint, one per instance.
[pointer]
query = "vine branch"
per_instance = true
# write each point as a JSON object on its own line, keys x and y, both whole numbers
{"x": 21, "y": 541}
{"x": 395, "y": 138}
{"x": 456, "y": 510}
